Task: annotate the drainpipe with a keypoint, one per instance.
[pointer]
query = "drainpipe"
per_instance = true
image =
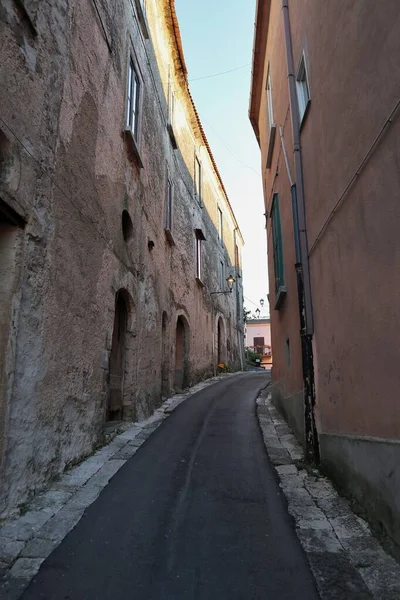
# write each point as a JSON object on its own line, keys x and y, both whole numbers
{"x": 302, "y": 264}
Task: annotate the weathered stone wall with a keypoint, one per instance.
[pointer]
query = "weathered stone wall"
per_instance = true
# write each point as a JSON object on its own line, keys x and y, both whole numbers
{"x": 67, "y": 171}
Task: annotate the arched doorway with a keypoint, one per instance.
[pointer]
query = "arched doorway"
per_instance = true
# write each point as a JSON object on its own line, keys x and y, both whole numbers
{"x": 221, "y": 349}
{"x": 181, "y": 352}
{"x": 117, "y": 358}
{"x": 164, "y": 356}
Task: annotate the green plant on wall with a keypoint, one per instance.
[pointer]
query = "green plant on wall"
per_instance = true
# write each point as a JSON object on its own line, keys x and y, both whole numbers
{"x": 252, "y": 356}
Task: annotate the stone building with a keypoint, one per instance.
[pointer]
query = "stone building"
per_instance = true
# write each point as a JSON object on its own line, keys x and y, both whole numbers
{"x": 325, "y": 108}
{"x": 115, "y": 228}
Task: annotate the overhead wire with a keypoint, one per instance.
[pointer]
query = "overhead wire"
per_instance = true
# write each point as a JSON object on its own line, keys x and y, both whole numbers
{"x": 220, "y": 73}
{"x": 229, "y": 149}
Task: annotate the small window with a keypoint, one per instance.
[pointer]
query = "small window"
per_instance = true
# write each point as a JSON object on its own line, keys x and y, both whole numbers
{"x": 141, "y": 13}
{"x": 237, "y": 257}
{"x": 280, "y": 289}
{"x": 169, "y": 204}
{"x": 220, "y": 225}
{"x": 198, "y": 179}
{"x": 133, "y": 101}
{"x": 127, "y": 226}
{"x": 221, "y": 274}
{"x": 271, "y": 133}
{"x": 199, "y": 239}
{"x": 287, "y": 352}
{"x": 303, "y": 89}
{"x": 171, "y": 111}
{"x": 270, "y": 111}
{"x": 171, "y": 115}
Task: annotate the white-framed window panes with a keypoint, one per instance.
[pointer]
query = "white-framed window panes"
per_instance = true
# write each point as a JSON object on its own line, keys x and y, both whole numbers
{"x": 171, "y": 105}
{"x": 169, "y": 204}
{"x": 220, "y": 225}
{"x": 270, "y": 109}
{"x": 198, "y": 179}
{"x": 222, "y": 275}
{"x": 133, "y": 100}
{"x": 198, "y": 256}
{"x": 302, "y": 87}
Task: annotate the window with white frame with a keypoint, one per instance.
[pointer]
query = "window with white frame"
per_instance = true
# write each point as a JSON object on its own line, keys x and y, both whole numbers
{"x": 237, "y": 257}
{"x": 221, "y": 274}
{"x": 198, "y": 179}
{"x": 169, "y": 204}
{"x": 171, "y": 111}
{"x": 141, "y": 15}
{"x": 270, "y": 109}
{"x": 271, "y": 133}
{"x": 171, "y": 114}
{"x": 302, "y": 87}
{"x": 133, "y": 101}
{"x": 220, "y": 225}
{"x": 199, "y": 242}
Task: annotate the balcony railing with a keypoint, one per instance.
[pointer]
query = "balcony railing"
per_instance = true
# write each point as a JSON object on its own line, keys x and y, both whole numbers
{"x": 263, "y": 350}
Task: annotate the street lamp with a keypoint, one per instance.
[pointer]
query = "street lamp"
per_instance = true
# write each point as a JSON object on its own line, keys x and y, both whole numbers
{"x": 230, "y": 281}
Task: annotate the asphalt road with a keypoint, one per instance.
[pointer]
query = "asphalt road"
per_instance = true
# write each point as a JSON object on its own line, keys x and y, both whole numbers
{"x": 195, "y": 514}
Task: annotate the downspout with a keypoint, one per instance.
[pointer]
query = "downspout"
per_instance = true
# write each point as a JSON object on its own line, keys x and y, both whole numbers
{"x": 302, "y": 264}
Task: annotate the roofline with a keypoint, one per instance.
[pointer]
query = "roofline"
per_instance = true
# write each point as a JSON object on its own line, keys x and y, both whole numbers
{"x": 178, "y": 38}
{"x": 261, "y": 25}
{"x": 179, "y": 45}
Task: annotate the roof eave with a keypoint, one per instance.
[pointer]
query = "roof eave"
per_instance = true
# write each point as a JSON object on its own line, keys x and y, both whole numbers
{"x": 261, "y": 25}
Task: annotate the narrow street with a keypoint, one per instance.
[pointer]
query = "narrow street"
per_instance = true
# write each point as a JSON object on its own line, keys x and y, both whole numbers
{"x": 196, "y": 513}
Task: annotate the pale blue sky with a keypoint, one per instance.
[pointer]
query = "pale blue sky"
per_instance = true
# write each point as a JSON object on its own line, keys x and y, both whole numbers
{"x": 217, "y": 36}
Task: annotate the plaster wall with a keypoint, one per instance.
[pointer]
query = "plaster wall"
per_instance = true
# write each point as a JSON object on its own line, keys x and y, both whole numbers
{"x": 354, "y": 244}
{"x": 354, "y": 264}
{"x": 285, "y": 325}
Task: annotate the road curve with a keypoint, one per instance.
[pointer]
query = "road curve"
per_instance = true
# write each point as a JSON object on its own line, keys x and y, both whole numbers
{"x": 195, "y": 514}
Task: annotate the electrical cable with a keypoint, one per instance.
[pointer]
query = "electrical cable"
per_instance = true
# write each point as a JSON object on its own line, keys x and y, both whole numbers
{"x": 231, "y": 152}
{"x": 220, "y": 73}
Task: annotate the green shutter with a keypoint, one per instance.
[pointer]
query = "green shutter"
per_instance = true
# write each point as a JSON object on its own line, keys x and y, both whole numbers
{"x": 277, "y": 244}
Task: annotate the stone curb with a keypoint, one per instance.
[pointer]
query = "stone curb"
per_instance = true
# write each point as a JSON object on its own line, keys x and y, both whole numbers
{"x": 346, "y": 559}
{"x": 25, "y": 542}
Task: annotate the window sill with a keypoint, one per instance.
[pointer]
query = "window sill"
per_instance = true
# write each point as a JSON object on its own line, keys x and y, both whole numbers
{"x": 280, "y": 297}
{"x": 133, "y": 147}
{"x": 271, "y": 142}
{"x": 169, "y": 237}
{"x": 172, "y": 136}
{"x": 199, "y": 281}
{"x": 142, "y": 19}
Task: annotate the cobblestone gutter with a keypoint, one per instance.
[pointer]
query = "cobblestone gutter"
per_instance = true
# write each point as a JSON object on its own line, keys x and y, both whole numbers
{"x": 26, "y": 542}
{"x": 347, "y": 561}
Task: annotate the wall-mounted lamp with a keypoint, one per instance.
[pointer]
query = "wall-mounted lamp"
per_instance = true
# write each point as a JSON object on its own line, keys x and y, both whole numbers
{"x": 230, "y": 281}
{"x": 262, "y": 302}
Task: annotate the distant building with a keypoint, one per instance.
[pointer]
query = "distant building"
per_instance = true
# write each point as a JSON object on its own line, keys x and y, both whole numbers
{"x": 115, "y": 229}
{"x": 324, "y": 106}
{"x": 258, "y": 338}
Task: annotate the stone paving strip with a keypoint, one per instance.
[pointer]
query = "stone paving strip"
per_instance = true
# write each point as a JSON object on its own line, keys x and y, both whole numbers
{"x": 347, "y": 561}
{"x": 25, "y": 542}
